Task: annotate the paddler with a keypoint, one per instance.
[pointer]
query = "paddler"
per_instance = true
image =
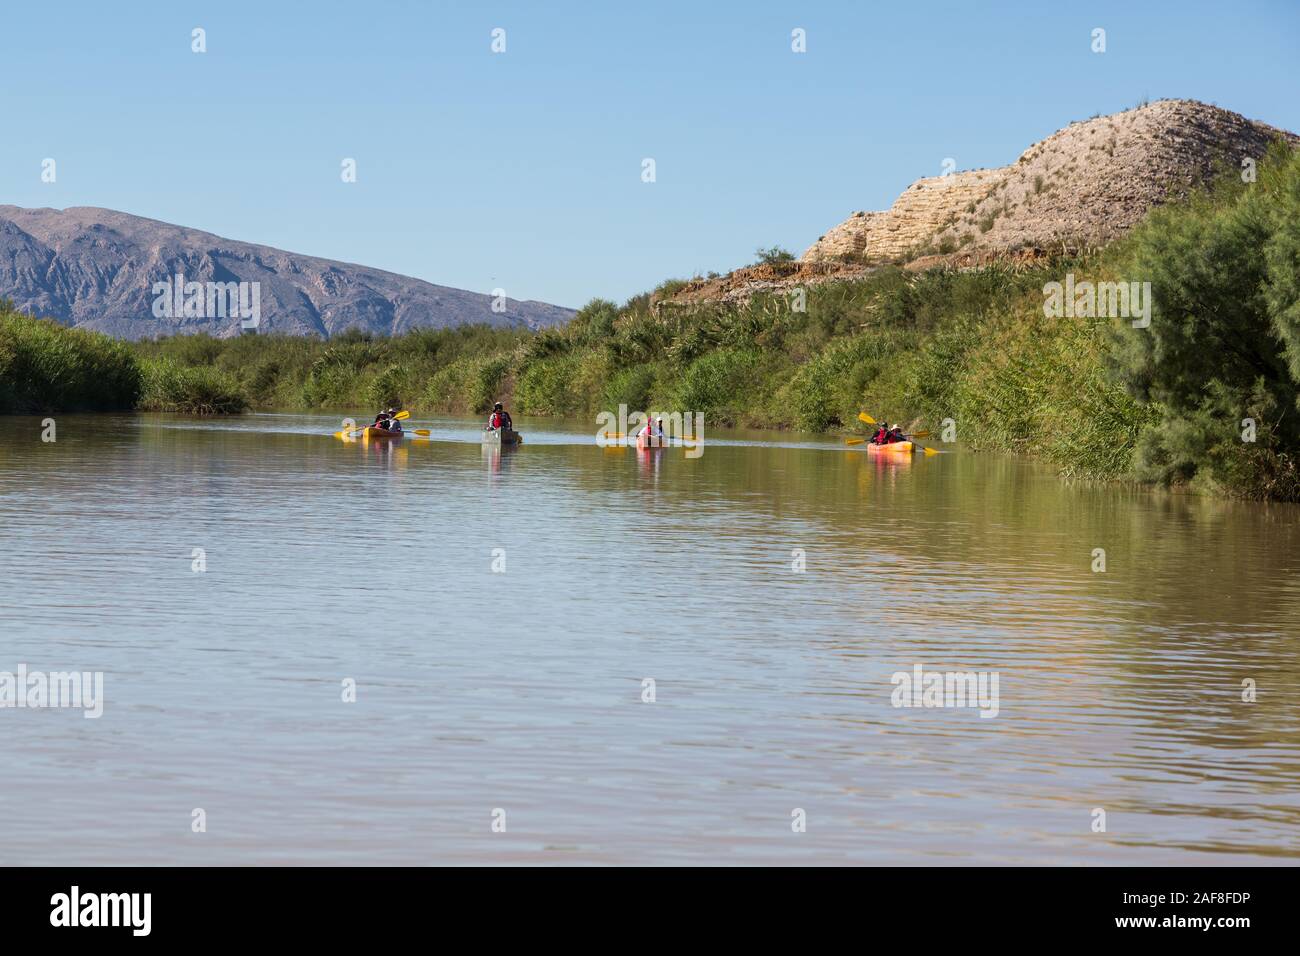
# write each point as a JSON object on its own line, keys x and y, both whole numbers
{"x": 652, "y": 431}
{"x": 882, "y": 434}
{"x": 500, "y": 418}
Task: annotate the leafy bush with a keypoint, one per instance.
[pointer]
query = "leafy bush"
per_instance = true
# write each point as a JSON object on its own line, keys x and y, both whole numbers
{"x": 45, "y": 367}
{"x": 1223, "y": 344}
{"x": 469, "y": 384}
{"x": 594, "y": 323}
{"x": 546, "y": 387}
{"x": 391, "y": 387}
{"x": 720, "y": 383}
{"x": 193, "y": 390}
{"x": 669, "y": 288}
{"x": 828, "y": 390}
{"x": 632, "y": 387}
{"x": 330, "y": 384}
{"x": 773, "y": 254}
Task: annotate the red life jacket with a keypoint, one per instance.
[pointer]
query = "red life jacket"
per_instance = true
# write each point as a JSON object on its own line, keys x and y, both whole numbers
{"x": 882, "y": 436}
{"x": 496, "y": 420}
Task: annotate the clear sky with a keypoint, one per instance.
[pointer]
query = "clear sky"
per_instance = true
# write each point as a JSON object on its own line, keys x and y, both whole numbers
{"x": 523, "y": 169}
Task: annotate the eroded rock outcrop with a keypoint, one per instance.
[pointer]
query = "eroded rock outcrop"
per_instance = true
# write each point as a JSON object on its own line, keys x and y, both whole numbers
{"x": 1082, "y": 186}
{"x": 913, "y": 219}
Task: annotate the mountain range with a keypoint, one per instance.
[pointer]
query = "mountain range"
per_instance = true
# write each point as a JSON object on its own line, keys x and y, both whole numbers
{"x": 117, "y": 273}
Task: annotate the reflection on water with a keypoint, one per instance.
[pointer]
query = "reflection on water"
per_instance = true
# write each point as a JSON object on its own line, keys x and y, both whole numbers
{"x": 523, "y": 690}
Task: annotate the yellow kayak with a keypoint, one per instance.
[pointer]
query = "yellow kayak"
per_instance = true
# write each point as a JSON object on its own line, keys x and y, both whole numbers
{"x": 893, "y": 448}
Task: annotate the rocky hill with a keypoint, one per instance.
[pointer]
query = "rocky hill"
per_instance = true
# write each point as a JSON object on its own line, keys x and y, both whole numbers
{"x": 100, "y": 269}
{"x": 1082, "y": 186}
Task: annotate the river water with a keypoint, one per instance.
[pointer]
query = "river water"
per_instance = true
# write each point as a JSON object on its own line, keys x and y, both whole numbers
{"x": 506, "y": 618}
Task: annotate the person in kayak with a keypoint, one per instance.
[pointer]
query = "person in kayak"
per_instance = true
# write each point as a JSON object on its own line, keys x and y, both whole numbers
{"x": 387, "y": 421}
{"x": 500, "y": 418}
{"x": 895, "y": 433}
{"x": 881, "y": 436}
{"x": 653, "y": 431}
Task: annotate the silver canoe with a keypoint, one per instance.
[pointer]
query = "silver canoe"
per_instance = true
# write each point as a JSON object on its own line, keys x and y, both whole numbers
{"x": 501, "y": 436}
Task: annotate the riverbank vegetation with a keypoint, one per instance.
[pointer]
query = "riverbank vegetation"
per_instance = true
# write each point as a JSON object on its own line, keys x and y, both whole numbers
{"x": 1203, "y": 395}
{"x": 45, "y": 367}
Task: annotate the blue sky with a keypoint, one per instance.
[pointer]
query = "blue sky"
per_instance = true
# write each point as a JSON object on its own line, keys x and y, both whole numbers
{"x": 523, "y": 170}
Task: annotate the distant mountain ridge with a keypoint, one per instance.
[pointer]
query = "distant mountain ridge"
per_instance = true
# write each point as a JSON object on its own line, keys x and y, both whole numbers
{"x": 98, "y": 269}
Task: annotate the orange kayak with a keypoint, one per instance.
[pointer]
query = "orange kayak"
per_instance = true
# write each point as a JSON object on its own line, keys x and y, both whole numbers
{"x": 373, "y": 432}
{"x": 644, "y": 442}
{"x": 893, "y": 448}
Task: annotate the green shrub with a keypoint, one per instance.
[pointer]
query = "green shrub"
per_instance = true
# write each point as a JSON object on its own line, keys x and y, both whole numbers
{"x": 632, "y": 387}
{"x": 391, "y": 387}
{"x": 773, "y": 254}
{"x": 720, "y": 383}
{"x": 194, "y": 390}
{"x": 330, "y": 385}
{"x": 200, "y": 349}
{"x": 546, "y": 387}
{"x": 469, "y": 384}
{"x": 828, "y": 390}
{"x": 1223, "y": 343}
{"x": 46, "y": 367}
{"x": 594, "y": 323}
{"x": 669, "y": 288}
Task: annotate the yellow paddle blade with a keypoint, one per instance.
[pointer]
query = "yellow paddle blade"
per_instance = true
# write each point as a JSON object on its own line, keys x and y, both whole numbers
{"x": 864, "y": 417}
{"x": 402, "y": 416}
{"x": 931, "y": 451}
{"x": 920, "y": 435}
{"x": 854, "y": 441}
{"x": 422, "y": 432}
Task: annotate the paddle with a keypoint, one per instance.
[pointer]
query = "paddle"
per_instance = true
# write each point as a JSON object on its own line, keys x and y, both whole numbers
{"x": 399, "y": 417}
